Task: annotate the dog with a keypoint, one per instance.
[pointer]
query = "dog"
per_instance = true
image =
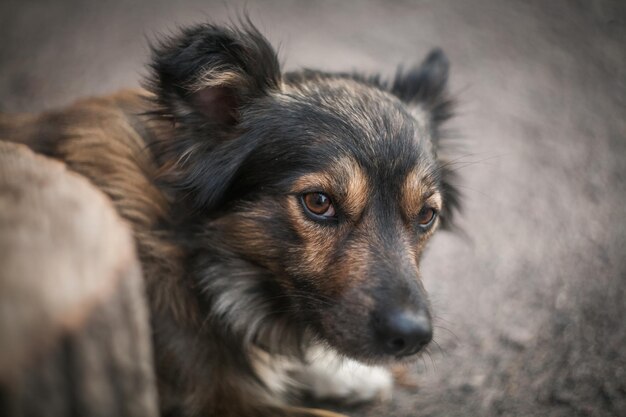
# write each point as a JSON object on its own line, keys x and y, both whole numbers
{"x": 279, "y": 217}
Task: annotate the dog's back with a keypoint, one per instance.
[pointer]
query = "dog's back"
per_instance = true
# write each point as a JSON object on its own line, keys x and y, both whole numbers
{"x": 107, "y": 139}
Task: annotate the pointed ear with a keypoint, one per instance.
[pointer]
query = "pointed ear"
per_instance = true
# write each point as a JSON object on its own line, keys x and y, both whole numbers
{"x": 207, "y": 73}
{"x": 424, "y": 86}
{"x": 425, "y": 89}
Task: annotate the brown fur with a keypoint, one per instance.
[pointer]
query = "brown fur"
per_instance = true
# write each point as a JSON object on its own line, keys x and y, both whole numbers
{"x": 101, "y": 138}
{"x": 107, "y": 140}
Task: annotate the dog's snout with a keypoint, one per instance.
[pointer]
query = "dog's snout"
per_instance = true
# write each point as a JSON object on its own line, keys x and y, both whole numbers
{"x": 402, "y": 332}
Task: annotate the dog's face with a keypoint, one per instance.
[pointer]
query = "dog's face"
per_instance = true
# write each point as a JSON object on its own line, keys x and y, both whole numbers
{"x": 330, "y": 182}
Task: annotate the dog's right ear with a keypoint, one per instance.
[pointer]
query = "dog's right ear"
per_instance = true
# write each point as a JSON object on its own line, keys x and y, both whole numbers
{"x": 426, "y": 86}
{"x": 202, "y": 80}
{"x": 206, "y": 74}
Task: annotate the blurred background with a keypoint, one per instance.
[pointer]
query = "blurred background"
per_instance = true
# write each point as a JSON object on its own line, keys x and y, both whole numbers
{"x": 531, "y": 297}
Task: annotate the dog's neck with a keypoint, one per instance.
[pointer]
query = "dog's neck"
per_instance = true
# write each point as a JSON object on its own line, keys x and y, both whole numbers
{"x": 244, "y": 300}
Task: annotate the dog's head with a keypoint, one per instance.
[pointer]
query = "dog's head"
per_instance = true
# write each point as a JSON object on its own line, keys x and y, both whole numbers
{"x": 331, "y": 183}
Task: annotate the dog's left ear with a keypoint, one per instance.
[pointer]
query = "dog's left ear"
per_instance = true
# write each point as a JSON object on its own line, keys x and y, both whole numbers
{"x": 425, "y": 89}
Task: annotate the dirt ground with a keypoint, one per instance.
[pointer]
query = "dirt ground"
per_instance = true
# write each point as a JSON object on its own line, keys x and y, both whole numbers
{"x": 531, "y": 297}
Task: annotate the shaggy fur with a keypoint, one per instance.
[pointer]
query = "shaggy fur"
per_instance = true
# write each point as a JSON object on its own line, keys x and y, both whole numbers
{"x": 211, "y": 167}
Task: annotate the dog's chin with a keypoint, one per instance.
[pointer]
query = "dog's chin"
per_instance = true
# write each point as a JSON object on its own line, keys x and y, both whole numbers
{"x": 373, "y": 356}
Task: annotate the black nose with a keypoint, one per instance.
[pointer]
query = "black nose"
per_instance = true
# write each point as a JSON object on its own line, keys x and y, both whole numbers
{"x": 403, "y": 333}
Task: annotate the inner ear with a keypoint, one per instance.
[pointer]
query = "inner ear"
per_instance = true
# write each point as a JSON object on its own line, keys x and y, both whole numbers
{"x": 218, "y": 104}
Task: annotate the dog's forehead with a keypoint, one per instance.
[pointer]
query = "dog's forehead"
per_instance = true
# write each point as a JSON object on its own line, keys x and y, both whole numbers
{"x": 346, "y": 111}
{"x": 362, "y": 122}
{"x": 375, "y": 112}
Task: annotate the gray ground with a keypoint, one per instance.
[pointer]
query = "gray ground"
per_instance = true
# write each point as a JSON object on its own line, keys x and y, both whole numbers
{"x": 531, "y": 301}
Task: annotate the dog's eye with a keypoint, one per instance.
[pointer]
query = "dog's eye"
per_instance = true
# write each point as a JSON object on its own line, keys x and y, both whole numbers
{"x": 426, "y": 216}
{"x": 318, "y": 206}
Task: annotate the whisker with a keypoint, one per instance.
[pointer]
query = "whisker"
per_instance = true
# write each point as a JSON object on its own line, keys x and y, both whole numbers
{"x": 476, "y": 191}
{"x": 448, "y": 330}
{"x": 424, "y": 362}
{"x": 439, "y": 347}
{"x": 431, "y": 360}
